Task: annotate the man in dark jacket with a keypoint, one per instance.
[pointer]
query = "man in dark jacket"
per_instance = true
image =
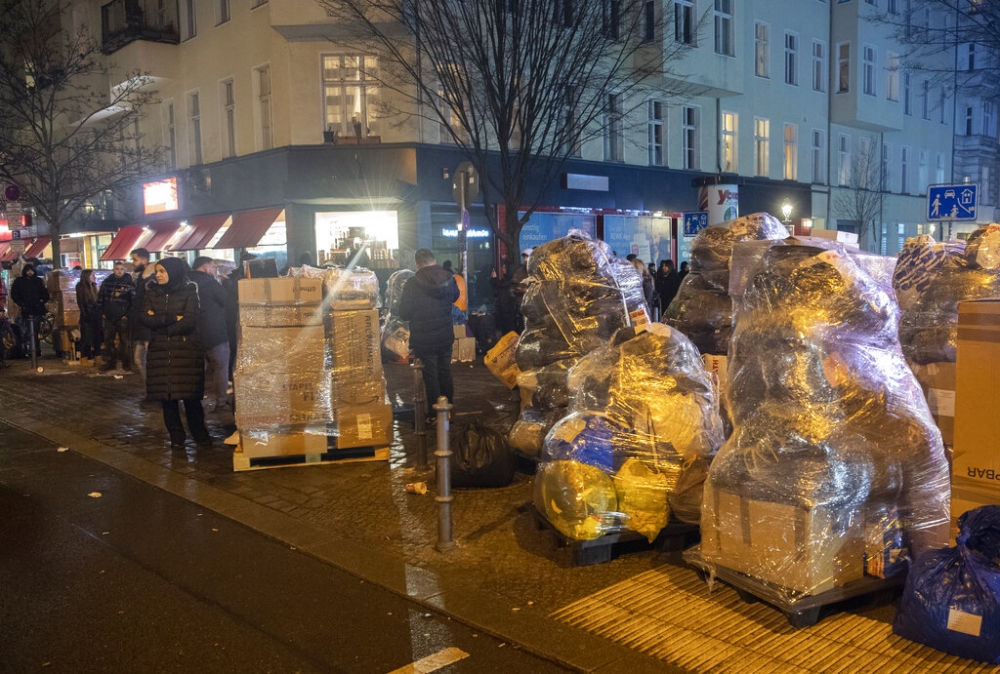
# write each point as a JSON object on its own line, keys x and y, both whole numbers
{"x": 30, "y": 294}
{"x": 426, "y": 303}
{"x": 115, "y": 299}
{"x": 140, "y": 334}
{"x": 212, "y": 328}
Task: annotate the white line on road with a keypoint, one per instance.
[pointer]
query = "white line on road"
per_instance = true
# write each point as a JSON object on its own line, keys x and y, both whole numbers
{"x": 432, "y": 663}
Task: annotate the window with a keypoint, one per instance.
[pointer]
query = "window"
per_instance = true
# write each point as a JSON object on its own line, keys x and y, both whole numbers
{"x": 968, "y": 120}
{"x": 351, "y": 95}
{"x": 223, "y": 11}
{"x": 904, "y": 169}
{"x": 988, "y": 111}
{"x": 925, "y": 108}
{"x": 970, "y": 57}
{"x": 194, "y": 119}
{"x": 942, "y": 99}
{"x": 171, "y": 139}
{"x": 611, "y": 19}
{"x": 684, "y": 21}
{"x": 883, "y": 245}
{"x": 648, "y": 20}
{"x": 654, "y": 131}
{"x": 844, "y": 160}
{"x": 614, "y": 149}
{"x": 843, "y": 67}
{"x": 791, "y": 152}
{"x": 761, "y": 141}
{"x": 570, "y": 127}
{"x": 228, "y": 118}
{"x": 264, "y": 107}
{"x": 984, "y": 179}
{"x": 724, "y": 27}
{"x": 818, "y": 156}
{"x": 923, "y": 177}
{"x": 689, "y": 136}
{"x": 884, "y": 172}
{"x": 866, "y": 163}
{"x": 907, "y": 95}
{"x": 871, "y": 2}
{"x": 900, "y": 236}
{"x": 939, "y": 173}
{"x": 892, "y": 76}
{"x": 727, "y": 130}
{"x": 190, "y": 27}
{"x": 892, "y": 6}
{"x": 819, "y": 65}
{"x": 761, "y": 33}
{"x": 791, "y": 58}
{"x": 868, "y": 54}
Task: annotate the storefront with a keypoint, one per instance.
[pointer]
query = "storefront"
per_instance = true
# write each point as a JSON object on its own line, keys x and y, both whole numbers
{"x": 372, "y": 237}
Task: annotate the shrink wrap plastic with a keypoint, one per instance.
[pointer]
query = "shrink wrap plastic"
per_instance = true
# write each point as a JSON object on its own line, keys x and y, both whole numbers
{"x": 578, "y": 295}
{"x": 394, "y": 327}
{"x": 643, "y": 423}
{"x": 344, "y": 289}
{"x": 835, "y": 467}
{"x": 932, "y": 278}
{"x": 702, "y": 309}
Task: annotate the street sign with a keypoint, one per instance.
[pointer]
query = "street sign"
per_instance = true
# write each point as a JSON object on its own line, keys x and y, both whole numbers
{"x": 467, "y": 172}
{"x": 14, "y": 214}
{"x": 17, "y": 246}
{"x": 952, "y": 202}
{"x": 695, "y": 222}
{"x": 12, "y": 193}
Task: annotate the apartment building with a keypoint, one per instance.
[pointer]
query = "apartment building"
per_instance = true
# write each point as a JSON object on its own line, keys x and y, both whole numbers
{"x": 274, "y": 141}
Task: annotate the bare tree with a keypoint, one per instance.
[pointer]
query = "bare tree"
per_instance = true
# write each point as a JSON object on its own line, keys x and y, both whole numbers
{"x": 66, "y": 135}
{"x": 860, "y": 199}
{"x": 518, "y": 85}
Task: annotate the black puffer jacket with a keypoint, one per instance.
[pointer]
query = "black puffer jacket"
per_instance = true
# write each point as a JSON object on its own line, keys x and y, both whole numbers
{"x": 175, "y": 362}
{"x": 212, "y": 319}
{"x": 29, "y": 292}
{"x": 426, "y": 303}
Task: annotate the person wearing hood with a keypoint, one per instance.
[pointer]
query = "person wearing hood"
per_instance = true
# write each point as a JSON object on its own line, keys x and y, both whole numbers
{"x": 426, "y": 303}
{"x": 30, "y": 295}
{"x": 175, "y": 357}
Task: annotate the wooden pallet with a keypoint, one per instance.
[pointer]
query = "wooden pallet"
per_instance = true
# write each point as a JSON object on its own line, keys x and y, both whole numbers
{"x": 243, "y": 462}
{"x": 675, "y": 536}
{"x": 800, "y": 610}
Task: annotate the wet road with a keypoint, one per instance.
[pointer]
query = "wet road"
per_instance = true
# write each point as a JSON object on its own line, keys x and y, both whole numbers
{"x": 100, "y": 572}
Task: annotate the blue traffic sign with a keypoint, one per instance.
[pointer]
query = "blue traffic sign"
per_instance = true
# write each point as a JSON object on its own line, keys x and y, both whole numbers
{"x": 952, "y": 202}
{"x": 695, "y": 222}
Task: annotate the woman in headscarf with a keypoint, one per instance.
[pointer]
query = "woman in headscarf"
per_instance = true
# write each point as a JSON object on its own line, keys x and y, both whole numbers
{"x": 175, "y": 361}
{"x": 90, "y": 316}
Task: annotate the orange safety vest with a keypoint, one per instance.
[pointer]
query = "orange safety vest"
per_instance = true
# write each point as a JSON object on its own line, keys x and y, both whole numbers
{"x": 463, "y": 296}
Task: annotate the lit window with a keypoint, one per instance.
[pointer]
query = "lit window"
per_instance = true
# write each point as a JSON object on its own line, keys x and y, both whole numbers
{"x": 761, "y": 141}
{"x": 728, "y": 146}
{"x": 791, "y": 152}
{"x": 655, "y": 132}
{"x": 351, "y": 95}
{"x": 843, "y": 67}
{"x": 761, "y": 33}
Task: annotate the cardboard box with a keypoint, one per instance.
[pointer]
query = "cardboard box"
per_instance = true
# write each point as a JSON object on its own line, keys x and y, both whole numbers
{"x": 937, "y": 380}
{"x": 355, "y": 350}
{"x": 789, "y": 546}
{"x": 271, "y": 400}
{"x": 459, "y": 331}
{"x": 500, "y": 360}
{"x": 834, "y": 235}
{"x": 281, "y": 291}
{"x": 718, "y": 366}
{"x": 363, "y": 426}
{"x": 260, "y": 444}
{"x": 267, "y": 350}
{"x": 977, "y": 395}
{"x": 463, "y": 350}
{"x": 280, "y": 315}
{"x": 356, "y": 392}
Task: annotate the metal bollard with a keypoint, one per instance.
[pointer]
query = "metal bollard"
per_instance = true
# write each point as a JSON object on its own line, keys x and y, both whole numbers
{"x": 420, "y": 413}
{"x": 32, "y": 332}
{"x": 443, "y": 454}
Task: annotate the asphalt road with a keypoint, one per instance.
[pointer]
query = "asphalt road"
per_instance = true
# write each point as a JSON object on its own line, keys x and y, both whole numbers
{"x": 100, "y": 572}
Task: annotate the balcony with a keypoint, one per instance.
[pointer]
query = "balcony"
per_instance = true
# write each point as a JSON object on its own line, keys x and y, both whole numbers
{"x": 125, "y": 21}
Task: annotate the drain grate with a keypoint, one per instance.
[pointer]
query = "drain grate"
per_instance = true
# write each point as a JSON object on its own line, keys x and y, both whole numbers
{"x": 669, "y": 614}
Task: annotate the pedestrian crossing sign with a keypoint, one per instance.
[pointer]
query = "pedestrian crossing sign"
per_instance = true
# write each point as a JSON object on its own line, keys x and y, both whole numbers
{"x": 952, "y": 202}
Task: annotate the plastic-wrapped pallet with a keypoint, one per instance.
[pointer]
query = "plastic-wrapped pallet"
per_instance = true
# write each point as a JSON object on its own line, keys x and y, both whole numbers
{"x": 702, "y": 309}
{"x": 578, "y": 295}
{"x": 395, "y": 331}
{"x": 932, "y": 278}
{"x": 643, "y": 424}
{"x": 834, "y": 468}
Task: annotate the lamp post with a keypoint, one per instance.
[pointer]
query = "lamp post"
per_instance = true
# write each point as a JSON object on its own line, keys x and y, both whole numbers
{"x": 786, "y": 210}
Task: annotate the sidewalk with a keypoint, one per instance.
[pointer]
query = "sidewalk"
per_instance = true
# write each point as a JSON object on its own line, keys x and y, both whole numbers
{"x": 641, "y": 612}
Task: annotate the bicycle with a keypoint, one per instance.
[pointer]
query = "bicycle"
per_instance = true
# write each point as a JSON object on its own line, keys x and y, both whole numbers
{"x": 9, "y": 342}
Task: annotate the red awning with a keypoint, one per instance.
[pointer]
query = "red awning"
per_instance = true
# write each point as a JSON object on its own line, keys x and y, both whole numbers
{"x": 6, "y": 254}
{"x": 200, "y": 232}
{"x": 248, "y": 228}
{"x": 159, "y": 235}
{"x": 37, "y": 246}
{"x": 123, "y": 243}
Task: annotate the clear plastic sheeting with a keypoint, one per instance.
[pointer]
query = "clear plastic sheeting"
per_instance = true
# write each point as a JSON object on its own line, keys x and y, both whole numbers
{"x": 702, "y": 309}
{"x": 932, "y": 278}
{"x": 835, "y": 468}
{"x": 578, "y": 295}
{"x": 644, "y": 412}
{"x": 395, "y": 331}
{"x": 344, "y": 289}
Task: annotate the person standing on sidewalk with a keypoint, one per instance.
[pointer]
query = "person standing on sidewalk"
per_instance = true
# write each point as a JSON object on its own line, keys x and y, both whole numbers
{"x": 175, "y": 369}
{"x": 115, "y": 299}
{"x": 140, "y": 335}
{"x": 212, "y": 328}
{"x": 30, "y": 295}
{"x": 90, "y": 317}
{"x": 426, "y": 303}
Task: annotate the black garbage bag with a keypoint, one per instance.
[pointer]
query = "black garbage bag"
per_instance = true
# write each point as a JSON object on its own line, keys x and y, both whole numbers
{"x": 480, "y": 458}
{"x": 952, "y": 596}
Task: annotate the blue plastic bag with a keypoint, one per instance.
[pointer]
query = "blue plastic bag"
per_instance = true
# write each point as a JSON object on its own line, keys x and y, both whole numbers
{"x": 952, "y": 596}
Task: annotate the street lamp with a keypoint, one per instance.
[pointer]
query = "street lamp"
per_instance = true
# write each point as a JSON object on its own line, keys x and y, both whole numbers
{"x": 786, "y": 210}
